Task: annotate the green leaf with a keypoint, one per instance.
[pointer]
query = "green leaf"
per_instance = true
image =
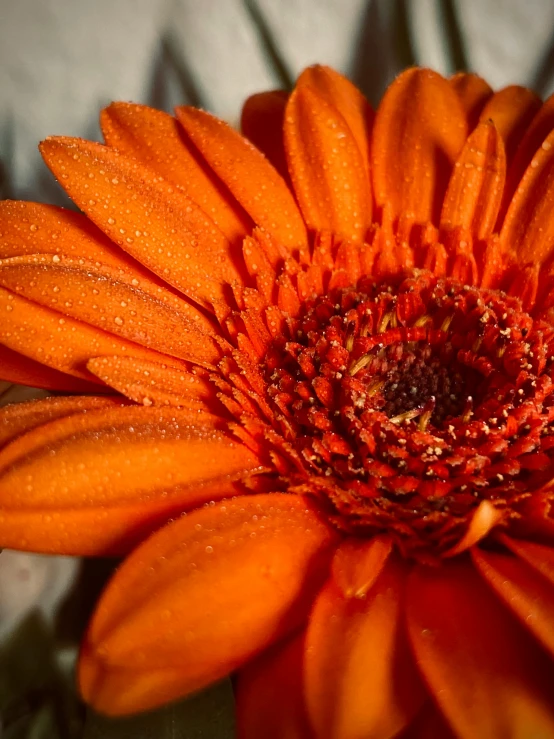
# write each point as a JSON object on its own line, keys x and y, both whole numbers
{"x": 207, "y": 715}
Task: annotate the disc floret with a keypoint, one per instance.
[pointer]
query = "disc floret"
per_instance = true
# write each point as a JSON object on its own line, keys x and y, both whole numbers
{"x": 409, "y": 403}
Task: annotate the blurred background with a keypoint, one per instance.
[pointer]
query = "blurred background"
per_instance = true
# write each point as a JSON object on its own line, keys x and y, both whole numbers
{"x": 63, "y": 60}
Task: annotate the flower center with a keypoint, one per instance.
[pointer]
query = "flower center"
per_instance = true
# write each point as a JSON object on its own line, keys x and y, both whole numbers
{"x": 412, "y": 378}
{"x": 403, "y": 406}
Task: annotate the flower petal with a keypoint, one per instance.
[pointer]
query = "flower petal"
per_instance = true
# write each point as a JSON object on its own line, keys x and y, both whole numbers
{"x": 360, "y": 677}
{"x": 529, "y": 595}
{"x": 512, "y": 110}
{"x": 473, "y": 92}
{"x": 338, "y": 92}
{"x": 201, "y": 597}
{"x": 18, "y": 418}
{"x": 262, "y": 124}
{"x": 419, "y": 130}
{"x": 113, "y": 301}
{"x": 326, "y": 166}
{"x": 428, "y": 724}
{"x": 270, "y": 695}
{"x": 475, "y": 189}
{"x": 528, "y": 229}
{"x": 539, "y": 556}
{"x": 536, "y": 132}
{"x": 155, "y": 139}
{"x": 488, "y": 676}
{"x": 34, "y": 228}
{"x": 150, "y": 383}
{"x": 243, "y": 168}
{"x": 358, "y": 562}
{"x": 61, "y": 342}
{"x": 21, "y": 370}
{"x": 485, "y": 517}
{"x": 159, "y": 226}
{"x": 95, "y": 482}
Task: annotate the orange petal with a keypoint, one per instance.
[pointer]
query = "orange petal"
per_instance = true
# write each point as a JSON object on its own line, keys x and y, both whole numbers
{"x": 488, "y": 676}
{"x": 115, "y": 302}
{"x": 249, "y": 176}
{"x": 326, "y": 166}
{"x": 529, "y": 595}
{"x": 113, "y": 472}
{"x": 262, "y": 124}
{"x": 473, "y": 92}
{"x": 360, "y": 677}
{"x": 528, "y": 229}
{"x": 338, "y": 92}
{"x": 18, "y": 418}
{"x": 201, "y": 597}
{"x": 155, "y": 139}
{"x": 539, "y": 556}
{"x": 21, "y": 370}
{"x": 59, "y": 341}
{"x": 485, "y": 517}
{"x": 34, "y": 228}
{"x": 512, "y": 110}
{"x": 269, "y": 695}
{"x": 419, "y": 130}
{"x": 475, "y": 190}
{"x": 358, "y": 562}
{"x": 537, "y": 131}
{"x": 154, "y": 384}
{"x": 428, "y": 724}
{"x": 159, "y": 226}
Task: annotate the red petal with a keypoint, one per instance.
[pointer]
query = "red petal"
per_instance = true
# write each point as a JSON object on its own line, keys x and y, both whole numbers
{"x": 358, "y": 562}
{"x": 200, "y": 598}
{"x": 159, "y": 226}
{"x": 262, "y": 124}
{"x": 97, "y": 482}
{"x": 485, "y": 517}
{"x": 539, "y": 556}
{"x": 248, "y": 175}
{"x": 529, "y": 595}
{"x": 360, "y": 677}
{"x": 512, "y": 110}
{"x": 114, "y": 301}
{"x": 270, "y": 695}
{"x": 428, "y": 724}
{"x": 475, "y": 190}
{"x": 488, "y": 676}
{"x": 156, "y": 139}
{"x": 326, "y": 166}
{"x": 419, "y": 130}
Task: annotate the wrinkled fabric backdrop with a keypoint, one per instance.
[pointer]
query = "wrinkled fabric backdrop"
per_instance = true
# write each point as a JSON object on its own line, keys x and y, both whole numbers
{"x": 63, "y": 60}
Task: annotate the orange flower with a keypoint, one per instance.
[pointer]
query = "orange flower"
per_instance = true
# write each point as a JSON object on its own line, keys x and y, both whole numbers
{"x": 337, "y": 359}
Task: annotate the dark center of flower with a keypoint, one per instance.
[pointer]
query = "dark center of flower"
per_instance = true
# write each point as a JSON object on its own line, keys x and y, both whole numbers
{"x": 403, "y": 406}
{"x": 411, "y": 379}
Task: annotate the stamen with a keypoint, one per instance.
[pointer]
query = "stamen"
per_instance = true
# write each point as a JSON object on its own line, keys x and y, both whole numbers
{"x": 408, "y": 404}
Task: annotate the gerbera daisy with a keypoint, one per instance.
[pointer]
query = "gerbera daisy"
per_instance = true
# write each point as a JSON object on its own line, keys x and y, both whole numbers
{"x": 330, "y": 367}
